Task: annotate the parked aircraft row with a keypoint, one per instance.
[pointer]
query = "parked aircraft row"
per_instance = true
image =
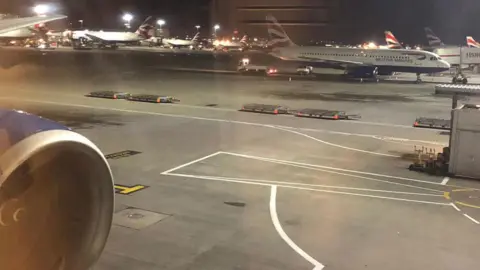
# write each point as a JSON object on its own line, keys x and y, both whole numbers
{"x": 434, "y": 41}
{"x": 457, "y": 56}
{"x": 357, "y": 62}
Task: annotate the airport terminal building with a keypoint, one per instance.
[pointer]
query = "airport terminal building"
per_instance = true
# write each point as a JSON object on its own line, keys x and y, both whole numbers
{"x": 304, "y": 20}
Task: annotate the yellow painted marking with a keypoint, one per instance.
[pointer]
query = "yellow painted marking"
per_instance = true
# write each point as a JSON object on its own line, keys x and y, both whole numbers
{"x": 125, "y": 190}
{"x": 468, "y": 205}
{"x": 464, "y": 189}
{"x": 446, "y": 195}
{"x": 461, "y": 188}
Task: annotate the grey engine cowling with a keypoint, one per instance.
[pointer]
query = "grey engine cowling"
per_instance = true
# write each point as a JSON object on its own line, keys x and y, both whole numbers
{"x": 56, "y": 195}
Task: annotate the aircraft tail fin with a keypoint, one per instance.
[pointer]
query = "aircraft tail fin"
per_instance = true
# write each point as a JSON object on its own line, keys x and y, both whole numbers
{"x": 195, "y": 38}
{"x": 147, "y": 28}
{"x": 244, "y": 39}
{"x": 433, "y": 40}
{"x": 277, "y": 37}
{"x": 472, "y": 42}
{"x": 392, "y": 41}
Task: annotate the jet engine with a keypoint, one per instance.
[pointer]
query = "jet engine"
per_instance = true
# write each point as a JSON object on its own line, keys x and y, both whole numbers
{"x": 56, "y": 195}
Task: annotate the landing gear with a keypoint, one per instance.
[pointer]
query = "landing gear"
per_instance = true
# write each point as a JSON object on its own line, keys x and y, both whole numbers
{"x": 459, "y": 80}
{"x": 419, "y": 79}
{"x": 459, "y": 77}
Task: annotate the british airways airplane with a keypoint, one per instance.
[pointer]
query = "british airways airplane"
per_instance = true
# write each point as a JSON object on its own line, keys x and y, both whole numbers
{"x": 111, "y": 39}
{"x": 22, "y": 28}
{"x": 360, "y": 63}
{"x": 43, "y": 166}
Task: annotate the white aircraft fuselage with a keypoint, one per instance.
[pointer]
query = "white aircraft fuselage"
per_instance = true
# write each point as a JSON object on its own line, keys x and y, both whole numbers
{"x": 107, "y": 36}
{"x": 385, "y": 60}
{"x": 21, "y": 33}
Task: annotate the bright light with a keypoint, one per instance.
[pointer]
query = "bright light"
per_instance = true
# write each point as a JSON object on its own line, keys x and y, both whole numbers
{"x": 255, "y": 39}
{"x": 41, "y": 9}
{"x": 197, "y": 26}
{"x": 161, "y": 22}
{"x": 216, "y": 27}
{"x": 127, "y": 17}
{"x": 372, "y": 45}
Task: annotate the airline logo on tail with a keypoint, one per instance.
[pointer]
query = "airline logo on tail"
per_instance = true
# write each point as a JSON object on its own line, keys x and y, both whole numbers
{"x": 146, "y": 29}
{"x": 243, "y": 40}
{"x": 195, "y": 38}
{"x": 276, "y": 35}
{"x": 472, "y": 43}
{"x": 392, "y": 42}
{"x": 433, "y": 40}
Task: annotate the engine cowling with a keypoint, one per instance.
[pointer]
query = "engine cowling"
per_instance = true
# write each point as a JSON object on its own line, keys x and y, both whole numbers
{"x": 362, "y": 72}
{"x": 56, "y": 195}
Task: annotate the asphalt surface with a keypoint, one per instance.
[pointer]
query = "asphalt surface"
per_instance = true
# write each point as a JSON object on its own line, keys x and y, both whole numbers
{"x": 237, "y": 190}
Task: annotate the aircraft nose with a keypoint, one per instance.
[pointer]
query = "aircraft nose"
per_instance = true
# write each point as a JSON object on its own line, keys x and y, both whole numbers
{"x": 445, "y": 64}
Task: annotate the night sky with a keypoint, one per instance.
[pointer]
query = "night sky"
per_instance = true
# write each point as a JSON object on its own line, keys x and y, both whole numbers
{"x": 358, "y": 20}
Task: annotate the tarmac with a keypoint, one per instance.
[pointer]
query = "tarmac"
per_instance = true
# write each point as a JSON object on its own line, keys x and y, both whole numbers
{"x": 225, "y": 189}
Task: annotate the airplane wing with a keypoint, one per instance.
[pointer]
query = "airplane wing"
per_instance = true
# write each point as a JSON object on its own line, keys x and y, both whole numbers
{"x": 325, "y": 63}
{"x": 333, "y": 62}
{"x": 8, "y": 25}
{"x": 118, "y": 37}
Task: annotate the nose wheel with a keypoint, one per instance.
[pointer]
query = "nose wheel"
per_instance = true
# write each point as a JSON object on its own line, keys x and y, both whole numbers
{"x": 419, "y": 79}
{"x": 459, "y": 79}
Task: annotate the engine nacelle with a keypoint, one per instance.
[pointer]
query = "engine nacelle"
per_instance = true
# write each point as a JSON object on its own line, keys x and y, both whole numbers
{"x": 362, "y": 72}
{"x": 56, "y": 195}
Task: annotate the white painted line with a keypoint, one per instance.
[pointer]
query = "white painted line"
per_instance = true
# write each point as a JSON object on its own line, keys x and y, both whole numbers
{"x": 439, "y": 192}
{"x": 380, "y": 124}
{"x": 276, "y": 223}
{"x": 190, "y": 163}
{"x": 249, "y": 180}
{"x": 472, "y": 219}
{"x": 454, "y": 206}
{"x": 312, "y": 167}
{"x": 304, "y": 188}
{"x": 194, "y": 117}
{"x": 369, "y": 196}
{"x": 330, "y": 168}
{"x": 445, "y": 181}
{"x": 333, "y": 144}
{"x": 376, "y": 137}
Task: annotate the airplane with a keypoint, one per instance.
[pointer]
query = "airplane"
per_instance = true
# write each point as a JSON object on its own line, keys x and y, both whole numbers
{"x": 472, "y": 42}
{"x": 450, "y": 53}
{"x": 23, "y": 33}
{"x": 433, "y": 40}
{"x": 178, "y": 43}
{"x": 9, "y": 25}
{"x": 229, "y": 45}
{"x": 357, "y": 63}
{"x": 392, "y": 42}
{"x": 111, "y": 39}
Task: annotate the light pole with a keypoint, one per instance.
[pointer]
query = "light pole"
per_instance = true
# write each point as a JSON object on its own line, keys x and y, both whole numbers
{"x": 41, "y": 9}
{"x": 81, "y": 23}
{"x": 127, "y": 17}
{"x": 198, "y": 27}
{"x": 161, "y": 23}
{"x": 215, "y": 29}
